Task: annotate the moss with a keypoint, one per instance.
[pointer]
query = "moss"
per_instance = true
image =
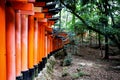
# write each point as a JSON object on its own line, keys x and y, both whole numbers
{"x": 65, "y": 72}
{"x": 68, "y": 60}
{"x": 75, "y": 75}
{"x": 79, "y": 74}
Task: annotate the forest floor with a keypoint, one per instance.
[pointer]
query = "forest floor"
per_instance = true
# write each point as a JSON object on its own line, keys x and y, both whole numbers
{"x": 88, "y": 65}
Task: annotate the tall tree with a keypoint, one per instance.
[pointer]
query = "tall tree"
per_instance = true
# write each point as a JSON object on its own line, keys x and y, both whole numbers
{"x": 90, "y": 12}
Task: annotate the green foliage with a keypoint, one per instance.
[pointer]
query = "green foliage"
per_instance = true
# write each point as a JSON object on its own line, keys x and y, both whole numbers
{"x": 61, "y": 54}
{"x": 75, "y": 75}
{"x": 65, "y": 71}
{"x": 67, "y": 61}
{"x": 78, "y": 74}
{"x": 79, "y": 28}
{"x": 101, "y": 16}
{"x": 81, "y": 73}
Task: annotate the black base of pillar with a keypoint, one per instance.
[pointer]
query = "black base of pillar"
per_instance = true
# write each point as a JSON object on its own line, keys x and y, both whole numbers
{"x": 31, "y": 74}
{"x": 53, "y": 53}
{"x": 25, "y": 75}
{"x": 49, "y": 55}
{"x": 36, "y": 70}
{"x": 19, "y": 78}
{"x": 44, "y": 60}
{"x": 40, "y": 66}
{"x": 43, "y": 63}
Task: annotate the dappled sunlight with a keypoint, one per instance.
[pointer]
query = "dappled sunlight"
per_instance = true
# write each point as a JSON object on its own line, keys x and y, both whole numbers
{"x": 89, "y": 64}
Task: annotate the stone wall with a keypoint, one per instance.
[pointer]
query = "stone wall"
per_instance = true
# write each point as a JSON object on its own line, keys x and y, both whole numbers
{"x": 46, "y": 73}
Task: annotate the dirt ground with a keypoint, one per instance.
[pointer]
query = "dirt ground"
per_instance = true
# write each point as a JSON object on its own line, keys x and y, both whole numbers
{"x": 91, "y": 66}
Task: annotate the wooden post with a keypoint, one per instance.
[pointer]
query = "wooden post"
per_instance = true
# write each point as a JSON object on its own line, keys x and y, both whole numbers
{"x": 40, "y": 43}
{"x": 43, "y": 40}
{"x": 24, "y": 46}
{"x": 35, "y": 42}
{"x": 30, "y": 41}
{"x": 44, "y": 58}
{"x": 46, "y": 45}
{"x": 10, "y": 42}
{"x": 2, "y": 41}
{"x": 42, "y": 46}
{"x": 30, "y": 46}
{"x": 39, "y": 48}
{"x": 51, "y": 45}
{"x": 24, "y": 40}
{"x": 35, "y": 56}
{"x": 18, "y": 42}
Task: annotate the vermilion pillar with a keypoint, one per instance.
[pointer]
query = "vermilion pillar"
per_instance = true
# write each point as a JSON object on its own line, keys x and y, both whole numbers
{"x": 24, "y": 42}
{"x": 40, "y": 35}
{"x": 49, "y": 50}
{"x": 2, "y": 41}
{"x": 40, "y": 47}
{"x": 44, "y": 58}
{"x": 40, "y": 43}
{"x": 10, "y": 42}
{"x": 18, "y": 42}
{"x": 46, "y": 45}
{"x": 30, "y": 41}
{"x": 31, "y": 46}
{"x": 51, "y": 45}
{"x": 43, "y": 40}
{"x": 35, "y": 42}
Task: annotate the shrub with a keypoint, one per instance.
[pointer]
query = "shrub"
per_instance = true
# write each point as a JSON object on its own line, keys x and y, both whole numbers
{"x": 68, "y": 60}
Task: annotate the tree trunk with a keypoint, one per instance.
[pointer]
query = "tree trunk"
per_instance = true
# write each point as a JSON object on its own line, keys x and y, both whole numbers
{"x": 106, "y": 48}
{"x": 82, "y": 38}
{"x": 99, "y": 42}
{"x": 96, "y": 38}
{"x": 90, "y": 38}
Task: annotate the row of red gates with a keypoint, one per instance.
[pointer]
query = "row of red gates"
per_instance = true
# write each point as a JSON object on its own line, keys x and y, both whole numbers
{"x": 27, "y": 38}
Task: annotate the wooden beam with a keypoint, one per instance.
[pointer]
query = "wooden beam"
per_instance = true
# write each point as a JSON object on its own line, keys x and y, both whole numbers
{"x": 45, "y": 10}
{"x": 44, "y": 0}
{"x": 39, "y": 15}
{"x": 37, "y": 9}
{"x": 27, "y": 12}
{"x": 52, "y": 22}
{"x": 17, "y": 1}
{"x": 40, "y": 4}
{"x": 22, "y": 6}
{"x": 49, "y": 29}
{"x": 21, "y": 0}
{"x": 47, "y": 15}
{"x": 42, "y": 20}
{"x": 31, "y": 1}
